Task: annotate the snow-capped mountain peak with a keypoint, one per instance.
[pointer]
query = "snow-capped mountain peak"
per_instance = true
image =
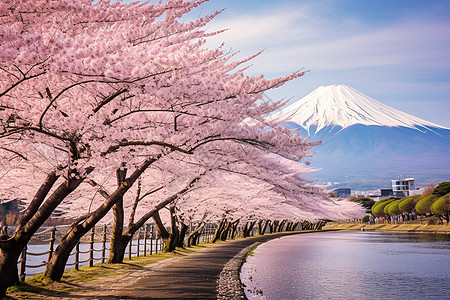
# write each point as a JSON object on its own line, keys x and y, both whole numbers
{"x": 341, "y": 105}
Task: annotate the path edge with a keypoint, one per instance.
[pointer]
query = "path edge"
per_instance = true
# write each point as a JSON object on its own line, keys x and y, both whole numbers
{"x": 229, "y": 282}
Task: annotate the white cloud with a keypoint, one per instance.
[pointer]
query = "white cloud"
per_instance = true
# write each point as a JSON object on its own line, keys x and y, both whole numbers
{"x": 403, "y": 63}
{"x": 304, "y": 37}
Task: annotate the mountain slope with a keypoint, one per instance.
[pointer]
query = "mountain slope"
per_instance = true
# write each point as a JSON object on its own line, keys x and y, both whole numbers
{"x": 340, "y": 105}
{"x": 364, "y": 140}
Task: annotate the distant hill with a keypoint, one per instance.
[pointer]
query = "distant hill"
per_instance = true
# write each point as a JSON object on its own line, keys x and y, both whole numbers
{"x": 366, "y": 143}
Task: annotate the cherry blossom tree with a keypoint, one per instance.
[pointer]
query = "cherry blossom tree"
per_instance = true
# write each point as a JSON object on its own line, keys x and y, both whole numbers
{"x": 95, "y": 96}
{"x": 87, "y": 86}
{"x": 54, "y": 53}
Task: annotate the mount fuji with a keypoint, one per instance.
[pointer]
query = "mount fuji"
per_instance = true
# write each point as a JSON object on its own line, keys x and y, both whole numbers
{"x": 366, "y": 143}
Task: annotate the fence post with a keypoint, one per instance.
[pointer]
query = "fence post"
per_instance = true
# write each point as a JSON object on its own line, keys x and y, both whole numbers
{"x": 145, "y": 240}
{"x": 52, "y": 243}
{"x": 91, "y": 248}
{"x": 151, "y": 240}
{"x": 129, "y": 248}
{"x": 23, "y": 262}
{"x": 104, "y": 245}
{"x": 138, "y": 242}
{"x": 77, "y": 256}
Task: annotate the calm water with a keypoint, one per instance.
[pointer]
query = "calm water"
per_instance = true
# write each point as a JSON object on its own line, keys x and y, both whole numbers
{"x": 350, "y": 265}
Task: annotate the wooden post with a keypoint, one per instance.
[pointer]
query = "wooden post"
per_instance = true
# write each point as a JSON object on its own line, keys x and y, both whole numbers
{"x": 77, "y": 256}
{"x": 151, "y": 240}
{"x": 52, "y": 243}
{"x": 138, "y": 242}
{"x": 156, "y": 242}
{"x": 145, "y": 240}
{"x": 104, "y": 245}
{"x": 91, "y": 248}
{"x": 23, "y": 262}
{"x": 129, "y": 248}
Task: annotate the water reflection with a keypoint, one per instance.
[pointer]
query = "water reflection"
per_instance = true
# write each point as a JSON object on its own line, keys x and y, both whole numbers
{"x": 350, "y": 265}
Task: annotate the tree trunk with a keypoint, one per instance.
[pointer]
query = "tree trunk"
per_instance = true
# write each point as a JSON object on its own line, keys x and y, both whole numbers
{"x": 219, "y": 230}
{"x": 9, "y": 256}
{"x": 172, "y": 241}
{"x": 270, "y": 227}
{"x": 260, "y": 227}
{"x": 275, "y": 226}
{"x": 249, "y": 227}
{"x": 224, "y": 234}
{"x": 190, "y": 238}
{"x": 117, "y": 254}
{"x": 234, "y": 226}
{"x": 281, "y": 227}
{"x": 163, "y": 233}
{"x": 293, "y": 226}
{"x": 265, "y": 226}
{"x": 182, "y": 235}
{"x": 34, "y": 216}
{"x": 117, "y": 240}
{"x": 55, "y": 267}
{"x": 174, "y": 232}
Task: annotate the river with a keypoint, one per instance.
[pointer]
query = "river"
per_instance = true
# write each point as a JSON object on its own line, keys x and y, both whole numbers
{"x": 350, "y": 265}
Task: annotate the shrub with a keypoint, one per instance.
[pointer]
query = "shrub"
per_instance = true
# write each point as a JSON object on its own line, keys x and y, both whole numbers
{"x": 408, "y": 204}
{"x": 392, "y": 208}
{"x": 441, "y": 207}
{"x": 378, "y": 208}
{"x": 423, "y": 205}
{"x": 442, "y": 189}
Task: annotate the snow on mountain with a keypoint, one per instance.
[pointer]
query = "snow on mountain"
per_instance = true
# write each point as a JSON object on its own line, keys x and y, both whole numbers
{"x": 343, "y": 106}
{"x": 366, "y": 140}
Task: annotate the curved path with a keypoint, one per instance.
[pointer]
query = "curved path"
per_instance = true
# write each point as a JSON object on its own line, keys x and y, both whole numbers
{"x": 195, "y": 276}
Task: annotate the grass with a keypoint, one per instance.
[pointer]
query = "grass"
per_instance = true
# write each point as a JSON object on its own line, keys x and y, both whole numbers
{"x": 250, "y": 253}
{"x": 38, "y": 287}
{"x": 401, "y": 227}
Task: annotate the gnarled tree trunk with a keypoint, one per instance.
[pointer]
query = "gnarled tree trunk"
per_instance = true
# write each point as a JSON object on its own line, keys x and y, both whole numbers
{"x": 31, "y": 220}
{"x": 9, "y": 255}
{"x": 226, "y": 228}
{"x": 118, "y": 242}
{"x": 248, "y": 228}
{"x": 219, "y": 230}
{"x": 234, "y": 227}
{"x": 193, "y": 237}
{"x": 56, "y": 265}
{"x": 181, "y": 237}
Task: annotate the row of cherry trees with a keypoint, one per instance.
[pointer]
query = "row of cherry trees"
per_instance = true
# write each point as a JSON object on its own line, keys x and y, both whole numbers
{"x": 115, "y": 111}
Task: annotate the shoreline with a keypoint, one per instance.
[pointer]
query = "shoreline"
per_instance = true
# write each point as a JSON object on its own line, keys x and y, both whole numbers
{"x": 209, "y": 272}
{"x": 227, "y": 284}
{"x": 404, "y": 227}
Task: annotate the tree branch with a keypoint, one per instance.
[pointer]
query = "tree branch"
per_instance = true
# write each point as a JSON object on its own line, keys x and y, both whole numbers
{"x": 109, "y": 99}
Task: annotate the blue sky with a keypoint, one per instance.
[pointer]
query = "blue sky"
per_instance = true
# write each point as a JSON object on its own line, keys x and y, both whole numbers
{"x": 396, "y": 51}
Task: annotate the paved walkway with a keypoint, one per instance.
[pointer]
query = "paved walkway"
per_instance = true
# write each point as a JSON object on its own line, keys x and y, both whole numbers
{"x": 191, "y": 277}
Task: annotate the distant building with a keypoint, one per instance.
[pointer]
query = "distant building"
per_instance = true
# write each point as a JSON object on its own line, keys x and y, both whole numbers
{"x": 343, "y": 192}
{"x": 386, "y": 192}
{"x": 403, "y": 188}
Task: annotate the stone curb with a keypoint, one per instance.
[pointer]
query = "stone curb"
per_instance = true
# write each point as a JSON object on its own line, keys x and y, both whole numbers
{"x": 229, "y": 282}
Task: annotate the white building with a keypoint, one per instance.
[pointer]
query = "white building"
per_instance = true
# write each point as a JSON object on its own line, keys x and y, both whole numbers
{"x": 404, "y": 187}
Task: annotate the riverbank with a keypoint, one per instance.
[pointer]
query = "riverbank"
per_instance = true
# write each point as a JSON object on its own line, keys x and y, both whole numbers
{"x": 209, "y": 271}
{"x": 406, "y": 227}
